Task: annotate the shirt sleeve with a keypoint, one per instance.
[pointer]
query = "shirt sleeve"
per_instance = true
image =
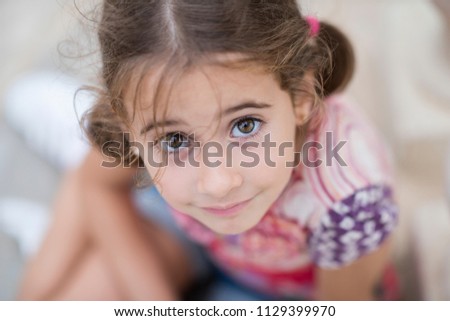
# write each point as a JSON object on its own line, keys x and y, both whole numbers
{"x": 356, "y": 193}
{"x": 353, "y": 227}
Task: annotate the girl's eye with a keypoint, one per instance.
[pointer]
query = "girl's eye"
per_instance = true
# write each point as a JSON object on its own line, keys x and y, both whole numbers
{"x": 246, "y": 127}
{"x": 174, "y": 141}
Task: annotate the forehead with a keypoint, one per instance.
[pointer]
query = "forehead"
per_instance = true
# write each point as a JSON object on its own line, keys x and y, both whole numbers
{"x": 212, "y": 84}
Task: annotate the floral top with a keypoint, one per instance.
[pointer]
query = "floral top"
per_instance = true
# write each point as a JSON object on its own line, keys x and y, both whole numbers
{"x": 328, "y": 215}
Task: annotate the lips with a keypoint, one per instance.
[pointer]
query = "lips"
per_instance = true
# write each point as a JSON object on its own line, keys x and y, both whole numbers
{"x": 227, "y": 210}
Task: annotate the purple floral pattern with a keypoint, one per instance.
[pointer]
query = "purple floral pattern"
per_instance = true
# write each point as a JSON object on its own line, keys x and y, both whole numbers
{"x": 353, "y": 227}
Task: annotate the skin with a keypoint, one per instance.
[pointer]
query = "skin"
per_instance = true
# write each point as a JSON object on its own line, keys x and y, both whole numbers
{"x": 98, "y": 236}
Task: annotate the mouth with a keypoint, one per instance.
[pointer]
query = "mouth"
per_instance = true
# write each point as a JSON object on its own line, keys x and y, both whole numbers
{"x": 227, "y": 210}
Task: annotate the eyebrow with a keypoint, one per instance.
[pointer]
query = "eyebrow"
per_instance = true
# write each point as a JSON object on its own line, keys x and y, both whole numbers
{"x": 226, "y": 112}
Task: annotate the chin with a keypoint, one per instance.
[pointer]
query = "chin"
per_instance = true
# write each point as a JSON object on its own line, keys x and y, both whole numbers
{"x": 233, "y": 227}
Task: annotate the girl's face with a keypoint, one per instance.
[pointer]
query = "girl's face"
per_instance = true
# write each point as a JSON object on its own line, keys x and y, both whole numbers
{"x": 228, "y": 135}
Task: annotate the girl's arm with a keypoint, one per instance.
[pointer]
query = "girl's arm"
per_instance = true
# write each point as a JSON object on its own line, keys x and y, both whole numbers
{"x": 135, "y": 257}
{"x": 357, "y": 281}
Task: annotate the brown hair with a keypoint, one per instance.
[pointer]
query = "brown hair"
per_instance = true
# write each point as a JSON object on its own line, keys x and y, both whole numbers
{"x": 183, "y": 33}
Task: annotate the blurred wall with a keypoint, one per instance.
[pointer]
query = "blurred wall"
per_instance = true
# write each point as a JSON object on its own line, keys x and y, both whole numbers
{"x": 38, "y": 34}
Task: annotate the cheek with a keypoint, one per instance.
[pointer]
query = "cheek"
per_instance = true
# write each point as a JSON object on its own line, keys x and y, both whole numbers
{"x": 271, "y": 171}
{"x": 273, "y": 177}
{"x": 172, "y": 184}
{"x": 274, "y": 168}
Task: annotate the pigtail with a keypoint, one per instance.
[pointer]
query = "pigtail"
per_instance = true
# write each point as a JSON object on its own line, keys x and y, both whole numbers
{"x": 338, "y": 72}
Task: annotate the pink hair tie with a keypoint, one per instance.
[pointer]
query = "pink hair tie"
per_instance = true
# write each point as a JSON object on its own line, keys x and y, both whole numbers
{"x": 314, "y": 25}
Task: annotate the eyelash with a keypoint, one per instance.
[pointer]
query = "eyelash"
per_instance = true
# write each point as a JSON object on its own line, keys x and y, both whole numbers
{"x": 260, "y": 124}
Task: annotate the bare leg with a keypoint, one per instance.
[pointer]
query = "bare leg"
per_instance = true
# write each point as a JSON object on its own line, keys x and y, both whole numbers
{"x": 94, "y": 270}
{"x": 63, "y": 246}
{"x": 69, "y": 263}
{"x": 93, "y": 279}
{"x": 90, "y": 280}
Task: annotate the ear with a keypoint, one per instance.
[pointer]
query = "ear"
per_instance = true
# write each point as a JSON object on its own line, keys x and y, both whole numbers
{"x": 303, "y": 103}
{"x": 302, "y": 109}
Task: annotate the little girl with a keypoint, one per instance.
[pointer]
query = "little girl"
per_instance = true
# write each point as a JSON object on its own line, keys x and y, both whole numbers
{"x": 230, "y": 107}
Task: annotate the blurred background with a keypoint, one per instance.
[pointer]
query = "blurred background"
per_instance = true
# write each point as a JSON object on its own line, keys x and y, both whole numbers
{"x": 402, "y": 82}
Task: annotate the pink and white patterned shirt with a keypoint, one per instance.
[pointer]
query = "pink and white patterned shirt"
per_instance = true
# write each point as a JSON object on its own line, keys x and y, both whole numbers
{"x": 327, "y": 216}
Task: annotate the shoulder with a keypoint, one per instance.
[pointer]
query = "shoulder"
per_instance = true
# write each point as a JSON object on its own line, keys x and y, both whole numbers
{"x": 353, "y": 182}
{"x": 345, "y": 153}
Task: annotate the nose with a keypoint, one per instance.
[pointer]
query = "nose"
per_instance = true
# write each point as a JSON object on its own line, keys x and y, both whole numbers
{"x": 219, "y": 181}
